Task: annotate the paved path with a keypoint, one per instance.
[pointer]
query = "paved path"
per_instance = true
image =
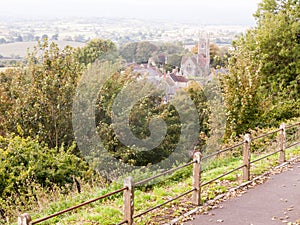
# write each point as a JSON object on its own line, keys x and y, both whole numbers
{"x": 275, "y": 202}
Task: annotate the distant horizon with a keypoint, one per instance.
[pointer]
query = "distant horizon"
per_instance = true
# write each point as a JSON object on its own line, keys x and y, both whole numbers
{"x": 150, "y": 20}
{"x": 213, "y": 12}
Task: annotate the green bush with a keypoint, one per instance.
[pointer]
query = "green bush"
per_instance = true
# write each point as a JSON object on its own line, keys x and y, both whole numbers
{"x": 27, "y": 167}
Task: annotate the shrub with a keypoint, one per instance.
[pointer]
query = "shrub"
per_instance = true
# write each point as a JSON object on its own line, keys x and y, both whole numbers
{"x": 26, "y": 166}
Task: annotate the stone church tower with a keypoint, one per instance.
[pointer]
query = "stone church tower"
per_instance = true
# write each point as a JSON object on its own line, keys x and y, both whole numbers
{"x": 197, "y": 65}
{"x": 203, "y": 52}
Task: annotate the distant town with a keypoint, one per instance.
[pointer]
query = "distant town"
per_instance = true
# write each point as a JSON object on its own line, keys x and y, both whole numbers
{"x": 16, "y": 35}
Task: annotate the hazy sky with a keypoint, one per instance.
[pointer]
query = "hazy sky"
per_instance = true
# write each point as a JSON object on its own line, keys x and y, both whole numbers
{"x": 195, "y": 11}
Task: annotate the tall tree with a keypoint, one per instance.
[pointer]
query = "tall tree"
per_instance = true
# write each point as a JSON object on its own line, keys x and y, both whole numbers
{"x": 128, "y": 51}
{"x": 139, "y": 52}
{"x": 279, "y": 53}
{"x": 39, "y": 96}
{"x": 97, "y": 49}
{"x": 144, "y": 51}
{"x": 241, "y": 88}
{"x": 262, "y": 87}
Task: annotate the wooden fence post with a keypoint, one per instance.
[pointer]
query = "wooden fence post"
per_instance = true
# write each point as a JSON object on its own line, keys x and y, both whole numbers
{"x": 246, "y": 156}
{"x": 282, "y": 143}
{"x": 196, "y": 198}
{"x": 24, "y": 219}
{"x": 128, "y": 200}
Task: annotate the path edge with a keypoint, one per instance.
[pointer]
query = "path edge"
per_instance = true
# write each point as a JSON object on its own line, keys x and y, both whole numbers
{"x": 212, "y": 201}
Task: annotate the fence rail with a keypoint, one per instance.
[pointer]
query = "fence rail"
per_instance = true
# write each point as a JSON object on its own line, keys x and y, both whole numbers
{"x": 128, "y": 189}
{"x": 223, "y": 150}
{"x": 266, "y": 134}
{"x": 164, "y": 173}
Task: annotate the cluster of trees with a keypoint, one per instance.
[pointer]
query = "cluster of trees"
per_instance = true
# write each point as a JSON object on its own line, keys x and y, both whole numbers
{"x": 140, "y": 52}
{"x": 262, "y": 87}
{"x": 37, "y": 149}
{"x": 36, "y": 102}
{"x": 16, "y": 37}
{"x": 97, "y": 49}
{"x": 145, "y": 110}
{"x": 38, "y": 96}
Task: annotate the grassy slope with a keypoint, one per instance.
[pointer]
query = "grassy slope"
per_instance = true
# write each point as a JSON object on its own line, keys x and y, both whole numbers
{"x": 109, "y": 211}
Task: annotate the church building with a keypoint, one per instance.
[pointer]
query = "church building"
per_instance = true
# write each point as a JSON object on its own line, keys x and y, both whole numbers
{"x": 197, "y": 65}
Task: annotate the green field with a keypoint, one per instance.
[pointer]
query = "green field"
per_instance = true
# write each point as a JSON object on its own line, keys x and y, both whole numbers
{"x": 20, "y": 48}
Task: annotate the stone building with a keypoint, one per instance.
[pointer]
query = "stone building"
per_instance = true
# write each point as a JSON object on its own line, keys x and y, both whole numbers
{"x": 197, "y": 65}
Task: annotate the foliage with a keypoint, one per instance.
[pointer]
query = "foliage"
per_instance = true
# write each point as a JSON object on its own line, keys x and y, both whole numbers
{"x": 140, "y": 115}
{"x": 241, "y": 90}
{"x": 26, "y": 164}
{"x": 138, "y": 52}
{"x": 217, "y": 114}
{"x": 144, "y": 51}
{"x": 171, "y": 48}
{"x": 128, "y": 52}
{"x": 38, "y": 97}
{"x": 200, "y": 100}
{"x": 97, "y": 49}
{"x": 218, "y": 55}
{"x": 36, "y": 101}
{"x": 174, "y": 60}
{"x": 262, "y": 86}
{"x": 276, "y": 35}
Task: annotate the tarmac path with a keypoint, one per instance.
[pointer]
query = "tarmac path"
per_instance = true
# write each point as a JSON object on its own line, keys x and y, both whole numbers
{"x": 277, "y": 201}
